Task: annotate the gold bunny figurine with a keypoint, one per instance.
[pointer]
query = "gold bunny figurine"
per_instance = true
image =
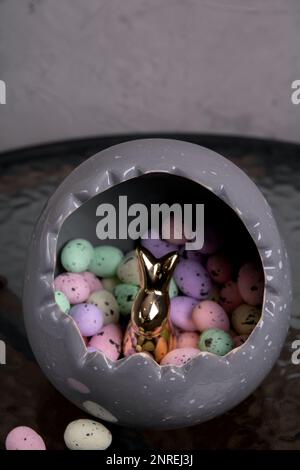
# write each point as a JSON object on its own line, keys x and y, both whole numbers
{"x": 151, "y": 306}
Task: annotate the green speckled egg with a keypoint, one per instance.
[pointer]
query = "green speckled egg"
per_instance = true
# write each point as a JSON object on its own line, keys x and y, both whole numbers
{"x": 107, "y": 303}
{"x": 125, "y": 295}
{"x": 62, "y": 301}
{"x": 173, "y": 289}
{"x": 216, "y": 341}
{"x": 109, "y": 283}
{"x": 105, "y": 260}
{"x": 77, "y": 255}
{"x": 128, "y": 269}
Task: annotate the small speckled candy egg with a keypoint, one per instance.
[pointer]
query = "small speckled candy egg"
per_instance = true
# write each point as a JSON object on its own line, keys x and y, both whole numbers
{"x": 230, "y": 297}
{"x": 128, "y": 269}
{"x": 251, "y": 283}
{"x": 179, "y": 357}
{"x": 125, "y": 295}
{"x": 188, "y": 339}
{"x": 88, "y": 318}
{"x": 192, "y": 279}
{"x": 158, "y": 247}
{"x": 92, "y": 280}
{"x": 208, "y": 314}
{"x": 245, "y": 318}
{"x": 107, "y": 303}
{"x": 62, "y": 301}
{"x": 74, "y": 286}
{"x": 109, "y": 341}
{"x": 105, "y": 260}
{"x": 219, "y": 268}
{"x": 109, "y": 283}
{"x": 24, "y": 438}
{"x": 181, "y": 309}
{"x": 216, "y": 341}
{"x": 76, "y": 255}
{"x": 86, "y": 434}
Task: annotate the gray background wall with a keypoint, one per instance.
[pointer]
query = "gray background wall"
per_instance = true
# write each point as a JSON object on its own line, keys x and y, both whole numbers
{"x": 87, "y": 67}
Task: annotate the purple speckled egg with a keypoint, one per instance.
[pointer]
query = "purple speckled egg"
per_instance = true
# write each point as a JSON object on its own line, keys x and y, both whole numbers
{"x": 94, "y": 283}
{"x": 251, "y": 283}
{"x": 108, "y": 340}
{"x": 158, "y": 247}
{"x": 208, "y": 314}
{"x": 24, "y": 438}
{"x": 181, "y": 309}
{"x": 88, "y": 318}
{"x": 179, "y": 356}
{"x": 74, "y": 286}
{"x": 188, "y": 339}
{"x": 192, "y": 279}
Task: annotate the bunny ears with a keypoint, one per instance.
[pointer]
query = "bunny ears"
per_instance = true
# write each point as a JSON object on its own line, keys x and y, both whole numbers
{"x": 156, "y": 273}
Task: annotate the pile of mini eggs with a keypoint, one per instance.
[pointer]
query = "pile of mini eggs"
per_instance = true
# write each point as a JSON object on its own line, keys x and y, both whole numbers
{"x": 215, "y": 304}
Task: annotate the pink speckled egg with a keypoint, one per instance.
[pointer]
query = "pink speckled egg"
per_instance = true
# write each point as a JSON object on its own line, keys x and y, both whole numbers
{"x": 179, "y": 357}
{"x": 188, "y": 339}
{"x": 74, "y": 286}
{"x": 230, "y": 297}
{"x": 181, "y": 309}
{"x": 158, "y": 247}
{"x": 219, "y": 268}
{"x": 88, "y": 318}
{"x": 208, "y": 314}
{"x": 109, "y": 341}
{"x": 251, "y": 283}
{"x": 192, "y": 279}
{"x": 94, "y": 283}
{"x": 24, "y": 438}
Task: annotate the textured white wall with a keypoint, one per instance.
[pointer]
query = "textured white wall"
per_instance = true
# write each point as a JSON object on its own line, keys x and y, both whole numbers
{"x": 84, "y": 67}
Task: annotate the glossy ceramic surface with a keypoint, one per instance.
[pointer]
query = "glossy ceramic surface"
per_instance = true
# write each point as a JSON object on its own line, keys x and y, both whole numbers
{"x": 137, "y": 391}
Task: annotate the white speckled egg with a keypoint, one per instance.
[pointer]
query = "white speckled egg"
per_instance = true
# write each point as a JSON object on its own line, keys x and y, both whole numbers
{"x": 106, "y": 302}
{"x": 109, "y": 283}
{"x": 86, "y": 434}
{"x": 128, "y": 269}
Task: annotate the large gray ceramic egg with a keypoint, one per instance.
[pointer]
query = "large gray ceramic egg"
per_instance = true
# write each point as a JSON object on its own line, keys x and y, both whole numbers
{"x": 136, "y": 391}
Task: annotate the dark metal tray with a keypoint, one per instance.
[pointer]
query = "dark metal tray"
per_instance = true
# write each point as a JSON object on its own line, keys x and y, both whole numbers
{"x": 268, "y": 419}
